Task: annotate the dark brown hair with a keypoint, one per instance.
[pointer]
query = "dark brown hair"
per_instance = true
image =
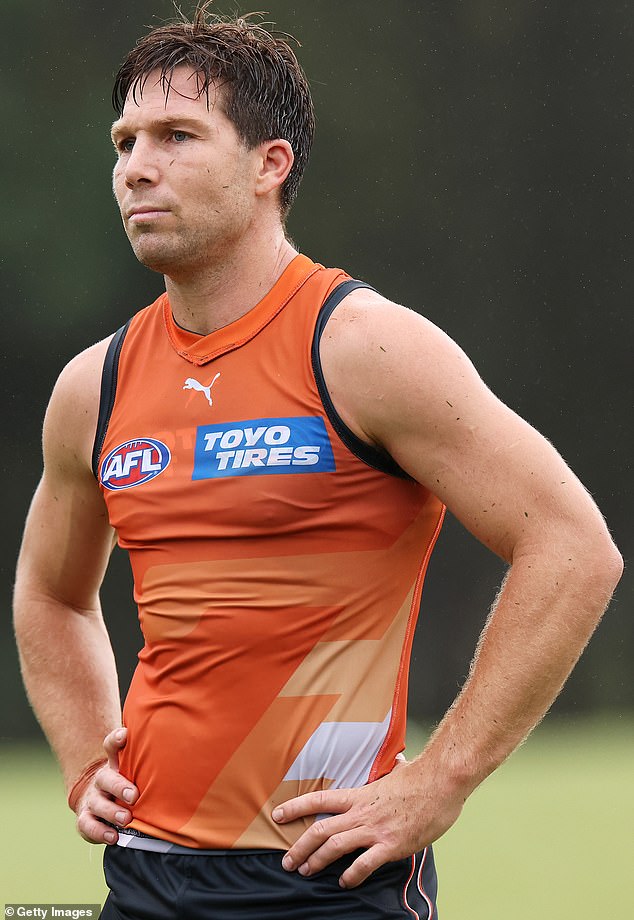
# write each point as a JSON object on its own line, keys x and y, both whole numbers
{"x": 264, "y": 90}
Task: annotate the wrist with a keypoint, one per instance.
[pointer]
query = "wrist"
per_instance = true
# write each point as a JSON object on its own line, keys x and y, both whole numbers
{"x": 83, "y": 781}
{"x": 457, "y": 767}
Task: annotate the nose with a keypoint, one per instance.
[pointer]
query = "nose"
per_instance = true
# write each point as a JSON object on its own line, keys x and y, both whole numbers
{"x": 141, "y": 165}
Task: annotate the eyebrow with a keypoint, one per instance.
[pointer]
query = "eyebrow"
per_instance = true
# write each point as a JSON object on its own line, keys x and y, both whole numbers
{"x": 121, "y": 128}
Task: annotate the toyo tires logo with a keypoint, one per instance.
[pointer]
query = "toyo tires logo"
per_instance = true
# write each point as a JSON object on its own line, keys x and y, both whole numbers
{"x": 133, "y": 463}
{"x": 263, "y": 447}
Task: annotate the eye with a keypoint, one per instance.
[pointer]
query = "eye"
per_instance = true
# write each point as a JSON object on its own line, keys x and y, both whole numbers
{"x": 179, "y": 136}
{"x": 126, "y": 145}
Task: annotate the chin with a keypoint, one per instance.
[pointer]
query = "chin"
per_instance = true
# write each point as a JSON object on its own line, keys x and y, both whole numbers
{"x": 156, "y": 258}
{"x": 173, "y": 254}
{"x": 154, "y": 264}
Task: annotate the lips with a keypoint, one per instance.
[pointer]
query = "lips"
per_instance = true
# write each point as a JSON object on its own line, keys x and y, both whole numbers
{"x": 145, "y": 211}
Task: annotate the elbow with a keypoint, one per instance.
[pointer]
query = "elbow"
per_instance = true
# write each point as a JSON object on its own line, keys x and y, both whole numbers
{"x": 586, "y": 560}
{"x": 604, "y": 565}
{"x": 612, "y": 565}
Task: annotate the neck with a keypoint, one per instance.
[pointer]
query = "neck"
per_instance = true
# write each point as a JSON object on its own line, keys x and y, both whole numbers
{"x": 226, "y": 288}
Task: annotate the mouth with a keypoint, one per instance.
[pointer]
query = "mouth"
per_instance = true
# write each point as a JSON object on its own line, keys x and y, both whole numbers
{"x": 145, "y": 214}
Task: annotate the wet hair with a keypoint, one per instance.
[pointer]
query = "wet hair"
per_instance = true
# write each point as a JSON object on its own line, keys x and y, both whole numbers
{"x": 265, "y": 93}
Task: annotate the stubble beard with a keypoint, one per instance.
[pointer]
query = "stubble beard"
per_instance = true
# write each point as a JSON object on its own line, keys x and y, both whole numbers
{"x": 180, "y": 254}
{"x": 158, "y": 256}
{"x": 173, "y": 254}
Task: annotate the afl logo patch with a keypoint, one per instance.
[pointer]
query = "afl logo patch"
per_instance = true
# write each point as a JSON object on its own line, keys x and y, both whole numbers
{"x": 133, "y": 463}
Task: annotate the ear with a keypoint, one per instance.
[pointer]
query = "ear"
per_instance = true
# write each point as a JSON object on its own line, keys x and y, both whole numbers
{"x": 274, "y": 165}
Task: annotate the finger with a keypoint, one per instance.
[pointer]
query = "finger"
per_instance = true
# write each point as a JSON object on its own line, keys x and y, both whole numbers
{"x": 313, "y": 838}
{"x": 103, "y": 807}
{"x": 364, "y": 865}
{"x": 325, "y": 801}
{"x": 112, "y": 744}
{"x": 336, "y": 846}
{"x": 111, "y": 783}
{"x": 95, "y": 831}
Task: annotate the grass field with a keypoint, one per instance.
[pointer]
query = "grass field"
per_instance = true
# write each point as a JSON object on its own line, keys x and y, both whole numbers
{"x": 550, "y": 834}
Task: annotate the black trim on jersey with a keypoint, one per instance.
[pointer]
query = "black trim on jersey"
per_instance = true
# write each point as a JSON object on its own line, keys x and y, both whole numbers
{"x": 365, "y": 452}
{"x": 109, "y": 376}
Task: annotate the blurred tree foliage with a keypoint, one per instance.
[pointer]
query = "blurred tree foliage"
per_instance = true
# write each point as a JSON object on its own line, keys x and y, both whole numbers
{"x": 472, "y": 161}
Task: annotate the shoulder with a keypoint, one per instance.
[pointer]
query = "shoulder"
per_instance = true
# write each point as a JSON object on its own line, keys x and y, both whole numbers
{"x": 71, "y": 416}
{"x": 84, "y": 367}
{"x": 384, "y": 362}
{"x": 365, "y": 319}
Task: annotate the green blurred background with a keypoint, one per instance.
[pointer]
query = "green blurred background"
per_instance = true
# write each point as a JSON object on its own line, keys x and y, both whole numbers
{"x": 472, "y": 161}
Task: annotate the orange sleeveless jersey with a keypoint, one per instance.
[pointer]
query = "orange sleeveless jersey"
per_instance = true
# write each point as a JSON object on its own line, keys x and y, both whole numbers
{"x": 277, "y": 574}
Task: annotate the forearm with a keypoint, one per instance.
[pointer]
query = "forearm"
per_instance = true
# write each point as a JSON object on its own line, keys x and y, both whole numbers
{"x": 544, "y": 616}
{"x": 70, "y": 676}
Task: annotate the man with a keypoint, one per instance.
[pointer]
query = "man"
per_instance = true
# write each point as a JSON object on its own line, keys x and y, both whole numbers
{"x": 275, "y": 445}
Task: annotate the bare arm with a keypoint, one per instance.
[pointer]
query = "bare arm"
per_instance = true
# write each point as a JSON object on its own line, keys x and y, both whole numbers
{"x": 402, "y": 385}
{"x": 66, "y": 657}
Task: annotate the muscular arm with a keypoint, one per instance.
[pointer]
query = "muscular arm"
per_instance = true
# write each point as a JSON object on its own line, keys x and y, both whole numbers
{"x": 402, "y": 385}
{"x": 66, "y": 657}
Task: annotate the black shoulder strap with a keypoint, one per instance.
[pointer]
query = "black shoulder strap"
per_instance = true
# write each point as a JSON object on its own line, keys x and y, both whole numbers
{"x": 109, "y": 376}
{"x": 362, "y": 450}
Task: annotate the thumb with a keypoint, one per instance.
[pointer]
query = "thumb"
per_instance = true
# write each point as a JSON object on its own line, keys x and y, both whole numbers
{"x": 114, "y": 742}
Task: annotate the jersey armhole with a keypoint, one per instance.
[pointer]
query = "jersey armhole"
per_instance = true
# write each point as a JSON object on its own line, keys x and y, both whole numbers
{"x": 365, "y": 452}
{"x": 109, "y": 376}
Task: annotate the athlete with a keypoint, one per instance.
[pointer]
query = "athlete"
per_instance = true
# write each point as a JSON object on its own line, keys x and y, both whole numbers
{"x": 275, "y": 445}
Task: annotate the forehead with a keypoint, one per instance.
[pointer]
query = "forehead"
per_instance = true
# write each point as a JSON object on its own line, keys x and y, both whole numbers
{"x": 160, "y": 96}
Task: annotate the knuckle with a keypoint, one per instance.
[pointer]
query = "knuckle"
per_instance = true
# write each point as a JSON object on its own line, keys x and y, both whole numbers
{"x": 85, "y": 809}
{"x": 109, "y": 743}
{"x": 86, "y": 829}
{"x": 337, "y": 843}
{"x": 391, "y": 841}
{"x": 101, "y": 777}
{"x": 365, "y": 863}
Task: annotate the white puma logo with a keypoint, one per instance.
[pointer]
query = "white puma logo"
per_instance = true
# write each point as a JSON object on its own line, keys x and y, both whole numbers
{"x": 192, "y": 384}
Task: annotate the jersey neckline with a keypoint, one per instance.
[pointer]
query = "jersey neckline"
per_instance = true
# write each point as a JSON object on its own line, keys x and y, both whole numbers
{"x": 201, "y": 350}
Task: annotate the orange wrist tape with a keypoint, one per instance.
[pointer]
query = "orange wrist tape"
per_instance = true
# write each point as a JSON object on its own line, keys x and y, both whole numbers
{"x": 80, "y": 785}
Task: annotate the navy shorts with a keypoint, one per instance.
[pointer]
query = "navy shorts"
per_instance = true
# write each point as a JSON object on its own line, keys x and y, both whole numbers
{"x": 251, "y": 885}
